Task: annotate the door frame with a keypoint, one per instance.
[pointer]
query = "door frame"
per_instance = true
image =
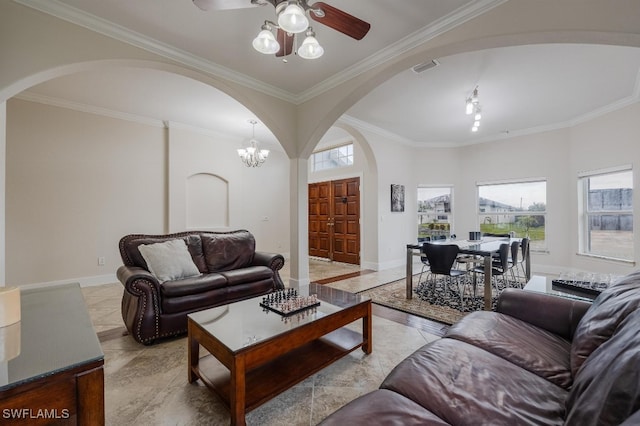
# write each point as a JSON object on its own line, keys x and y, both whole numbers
{"x": 328, "y": 178}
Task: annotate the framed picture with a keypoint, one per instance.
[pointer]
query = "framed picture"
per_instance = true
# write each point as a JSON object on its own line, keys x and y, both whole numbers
{"x": 397, "y": 198}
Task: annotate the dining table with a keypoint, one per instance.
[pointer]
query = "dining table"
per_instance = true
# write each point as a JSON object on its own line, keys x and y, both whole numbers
{"x": 487, "y": 248}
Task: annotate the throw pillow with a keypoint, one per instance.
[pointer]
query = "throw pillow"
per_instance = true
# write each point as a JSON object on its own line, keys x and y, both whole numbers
{"x": 169, "y": 260}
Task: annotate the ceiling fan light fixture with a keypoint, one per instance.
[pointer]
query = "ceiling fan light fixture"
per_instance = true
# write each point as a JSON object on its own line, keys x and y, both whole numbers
{"x": 310, "y": 48}
{"x": 265, "y": 42}
{"x": 293, "y": 19}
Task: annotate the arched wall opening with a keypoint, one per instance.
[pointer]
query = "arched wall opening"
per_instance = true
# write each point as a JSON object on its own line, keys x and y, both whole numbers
{"x": 163, "y": 163}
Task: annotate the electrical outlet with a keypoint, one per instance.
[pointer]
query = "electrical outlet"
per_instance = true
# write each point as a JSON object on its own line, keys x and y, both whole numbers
{"x": 101, "y": 261}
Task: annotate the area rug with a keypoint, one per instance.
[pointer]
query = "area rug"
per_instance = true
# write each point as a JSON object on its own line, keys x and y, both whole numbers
{"x": 440, "y": 303}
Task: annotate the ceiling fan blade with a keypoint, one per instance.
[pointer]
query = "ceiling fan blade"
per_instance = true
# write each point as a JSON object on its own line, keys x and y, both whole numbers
{"x": 225, "y": 4}
{"x": 286, "y": 43}
{"x": 340, "y": 21}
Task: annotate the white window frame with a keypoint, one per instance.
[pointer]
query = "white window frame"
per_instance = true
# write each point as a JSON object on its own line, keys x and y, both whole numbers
{"x": 584, "y": 214}
{"x": 316, "y": 156}
{"x": 449, "y": 215}
{"x": 480, "y": 215}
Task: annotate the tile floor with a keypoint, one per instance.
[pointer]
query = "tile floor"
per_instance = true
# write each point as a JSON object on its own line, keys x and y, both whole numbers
{"x": 147, "y": 385}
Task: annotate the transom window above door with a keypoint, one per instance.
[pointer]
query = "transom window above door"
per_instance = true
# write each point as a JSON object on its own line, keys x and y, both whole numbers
{"x": 331, "y": 158}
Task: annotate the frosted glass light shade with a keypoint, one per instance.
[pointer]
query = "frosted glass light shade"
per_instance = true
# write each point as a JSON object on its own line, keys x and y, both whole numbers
{"x": 310, "y": 48}
{"x": 293, "y": 19}
{"x": 266, "y": 43}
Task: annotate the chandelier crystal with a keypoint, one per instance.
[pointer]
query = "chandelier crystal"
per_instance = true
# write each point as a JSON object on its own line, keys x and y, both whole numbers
{"x": 252, "y": 156}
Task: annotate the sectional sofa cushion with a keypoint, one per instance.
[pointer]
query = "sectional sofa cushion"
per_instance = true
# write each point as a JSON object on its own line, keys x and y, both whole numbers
{"x": 532, "y": 348}
{"x": 606, "y": 390}
{"x": 383, "y": 407}
{"x": 464, "y": 384}
{"x": 603, "y": 318}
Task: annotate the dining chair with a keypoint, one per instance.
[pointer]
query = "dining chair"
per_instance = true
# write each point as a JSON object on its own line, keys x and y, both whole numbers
{"x": 423, "y": 258}
{"x": 524, "y": 245}
{"x": 513, "y": 262}
{"x": 441, "y": 258}
{"x": 507, "y": 235}
{"x": 499, "y": 267}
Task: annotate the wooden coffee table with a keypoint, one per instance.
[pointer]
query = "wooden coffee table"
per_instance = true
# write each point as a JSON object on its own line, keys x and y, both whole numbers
{"x": 255, "y": 355}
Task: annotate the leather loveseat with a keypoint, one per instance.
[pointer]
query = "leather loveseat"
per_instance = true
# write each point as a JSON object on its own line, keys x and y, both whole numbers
{"x": 222, "y": 267}
{"x": 538, "y": 360}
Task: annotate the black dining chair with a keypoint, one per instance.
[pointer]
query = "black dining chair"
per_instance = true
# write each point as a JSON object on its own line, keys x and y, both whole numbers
{"x": 524, "y": 245}
{"x": 441, "y": 258}
{"x": 497, "y": 235}
{"x": 513, "y": 262}
{"x": 499, "y": 267}
{"x": 423, "y": 258}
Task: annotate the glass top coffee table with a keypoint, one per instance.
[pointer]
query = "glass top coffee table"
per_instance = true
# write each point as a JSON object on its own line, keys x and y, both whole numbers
{"x": 255, "y": 354}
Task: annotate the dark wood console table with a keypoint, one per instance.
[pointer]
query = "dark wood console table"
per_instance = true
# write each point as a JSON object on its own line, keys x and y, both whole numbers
{"x": 58, "y": 376}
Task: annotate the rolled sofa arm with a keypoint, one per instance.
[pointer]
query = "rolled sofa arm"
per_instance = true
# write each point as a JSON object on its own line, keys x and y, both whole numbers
{"x": 140, "y": 303}
{"x": 558, "y": 315}
{"x": 272, "y": 260}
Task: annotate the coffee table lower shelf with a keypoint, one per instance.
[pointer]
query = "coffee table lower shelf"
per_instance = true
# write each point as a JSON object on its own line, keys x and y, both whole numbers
{"x": 274, "y": 377}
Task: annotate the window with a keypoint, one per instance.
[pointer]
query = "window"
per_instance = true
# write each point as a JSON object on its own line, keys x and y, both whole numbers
{"x": 606, "y": 226}
{"x": 516, "y": 207}
{"x": 332, "y": 158}
{"x": 434, "y": 211}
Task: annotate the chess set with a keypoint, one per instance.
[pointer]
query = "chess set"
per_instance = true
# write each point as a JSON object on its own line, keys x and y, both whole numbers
{"x": 288, "y": 302}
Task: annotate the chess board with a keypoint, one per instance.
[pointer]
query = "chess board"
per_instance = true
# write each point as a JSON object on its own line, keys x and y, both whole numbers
{"x": 288, "y": 302}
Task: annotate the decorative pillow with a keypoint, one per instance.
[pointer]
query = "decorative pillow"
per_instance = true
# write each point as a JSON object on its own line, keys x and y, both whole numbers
{"x": 169, "y": 260}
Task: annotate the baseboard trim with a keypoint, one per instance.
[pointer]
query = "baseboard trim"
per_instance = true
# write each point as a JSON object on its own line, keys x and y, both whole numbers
{"x": 83, "y": 281}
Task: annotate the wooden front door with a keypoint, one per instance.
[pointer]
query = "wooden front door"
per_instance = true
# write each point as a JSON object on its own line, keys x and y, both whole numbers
{"x": 334, "y": 220}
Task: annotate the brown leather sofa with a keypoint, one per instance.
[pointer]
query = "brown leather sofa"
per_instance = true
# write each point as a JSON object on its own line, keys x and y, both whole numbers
{"x": 228, "y": 267}
{"x": 538, "y": 360}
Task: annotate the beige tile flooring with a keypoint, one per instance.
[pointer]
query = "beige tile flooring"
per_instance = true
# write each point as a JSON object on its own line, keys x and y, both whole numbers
{"x": 147, "y": 385}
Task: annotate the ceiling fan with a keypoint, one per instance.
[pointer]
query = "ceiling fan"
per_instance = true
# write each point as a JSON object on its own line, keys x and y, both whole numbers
{"x": 292, "y": 19}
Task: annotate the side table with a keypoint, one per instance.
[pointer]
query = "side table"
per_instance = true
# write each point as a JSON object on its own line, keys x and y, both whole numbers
{"x": 58, "y": 376}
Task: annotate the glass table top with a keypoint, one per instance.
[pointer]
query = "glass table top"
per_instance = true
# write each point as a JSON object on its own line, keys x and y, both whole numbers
{"x": 55, "y": 333}
{"x": 241, "y": 324}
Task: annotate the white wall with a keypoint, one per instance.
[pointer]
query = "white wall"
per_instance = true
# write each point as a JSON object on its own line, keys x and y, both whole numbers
{"x": 258, "y": 197}
{"x": 557, "y": 156}
{"x": 78, "y": 182}
{"x": 607, "y": 141}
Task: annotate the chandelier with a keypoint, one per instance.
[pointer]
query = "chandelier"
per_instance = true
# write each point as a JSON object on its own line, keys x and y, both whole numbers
{"x": 251, "y": 156}
{"x": 473, "y": 107}
{"x": 292, "y": 19}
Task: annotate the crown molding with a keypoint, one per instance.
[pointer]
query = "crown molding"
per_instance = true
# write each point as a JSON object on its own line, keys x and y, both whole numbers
{"x": 439, "y": 27}
{"x": 363, "y": 125}
{"x": 90, "y": 109}
{"x": 102, "y": 26}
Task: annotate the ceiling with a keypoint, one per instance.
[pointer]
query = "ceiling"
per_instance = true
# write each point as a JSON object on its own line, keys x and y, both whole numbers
{"x": 522, "y": 89}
